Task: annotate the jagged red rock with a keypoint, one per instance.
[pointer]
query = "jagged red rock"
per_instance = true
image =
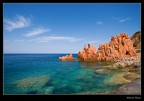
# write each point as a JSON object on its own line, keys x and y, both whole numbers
{"x": 67, "y": 58}
{"x": 119, "y": 47}
{"x": 87, "y": 53}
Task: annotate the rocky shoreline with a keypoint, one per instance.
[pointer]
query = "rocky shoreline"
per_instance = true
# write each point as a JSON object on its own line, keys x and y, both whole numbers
{"x": 130, "y": 81}
{"x": 128, "y": 62}
{"x": 132, "y": 88}
{"x": 121, "y": 53}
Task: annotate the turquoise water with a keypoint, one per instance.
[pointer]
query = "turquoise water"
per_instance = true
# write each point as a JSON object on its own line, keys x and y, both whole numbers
{"x": 28, "y": 73}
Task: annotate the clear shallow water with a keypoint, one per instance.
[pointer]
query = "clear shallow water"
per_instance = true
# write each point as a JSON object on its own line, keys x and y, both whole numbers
{"x": 70, "y": 77}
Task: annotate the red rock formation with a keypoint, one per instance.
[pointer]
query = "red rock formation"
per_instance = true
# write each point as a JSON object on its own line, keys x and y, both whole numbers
{"x": 136, "y": 39}
{"x": 67, "y": 58}
{"x": 87, "y": 53}
{"x": 119, "y": 47}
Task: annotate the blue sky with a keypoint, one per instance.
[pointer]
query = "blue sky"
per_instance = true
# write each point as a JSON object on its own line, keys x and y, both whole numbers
{"x": 65, "y": 28}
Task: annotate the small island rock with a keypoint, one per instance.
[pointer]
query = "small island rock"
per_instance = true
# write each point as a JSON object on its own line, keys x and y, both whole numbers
{"x": 67, "y": 58}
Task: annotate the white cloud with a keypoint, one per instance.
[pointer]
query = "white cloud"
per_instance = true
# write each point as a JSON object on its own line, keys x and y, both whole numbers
{"x": 56, "y": 38}
{"x": 16, "y": 23}
{"x": 99, "y": 22}
{"x": 121, "y": 19}
{"x": 36, "y": 31}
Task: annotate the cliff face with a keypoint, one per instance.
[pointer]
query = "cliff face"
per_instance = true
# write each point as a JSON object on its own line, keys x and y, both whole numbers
{"x": 136, "y": 40}
{"x": 67, "y": 58}
{"x": 87, "y": 53}
{"x": 119, "y": 47}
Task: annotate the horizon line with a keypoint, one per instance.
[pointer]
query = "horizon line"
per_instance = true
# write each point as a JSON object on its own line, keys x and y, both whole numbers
{"x": 40, "y": 53}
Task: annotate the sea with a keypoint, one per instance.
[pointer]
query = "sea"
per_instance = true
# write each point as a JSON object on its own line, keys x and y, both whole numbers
{"x": 46, "y": 74}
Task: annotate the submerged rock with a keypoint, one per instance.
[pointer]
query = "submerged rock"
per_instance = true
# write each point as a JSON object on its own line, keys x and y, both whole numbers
{"x": 33, "y": 83}
{"x": 67, "y": 58}
{"x": 46, "y": 90}
{"x": 102, "y": 71}
{"x": 131, "y": 76}
{"x": 116, "y": 79}
{"x": 49, "y": 90}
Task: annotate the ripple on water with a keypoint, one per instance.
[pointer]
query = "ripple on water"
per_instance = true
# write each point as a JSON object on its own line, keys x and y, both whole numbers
{"x": 48, "y": 75}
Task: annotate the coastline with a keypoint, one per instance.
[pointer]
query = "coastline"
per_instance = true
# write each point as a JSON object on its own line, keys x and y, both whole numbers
{"x": 132, "y": 88}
